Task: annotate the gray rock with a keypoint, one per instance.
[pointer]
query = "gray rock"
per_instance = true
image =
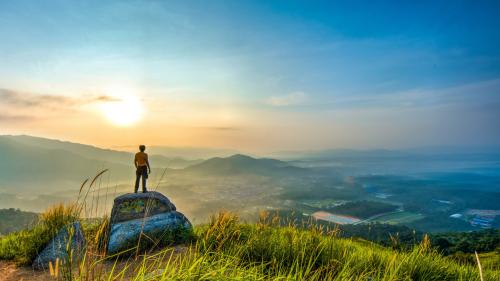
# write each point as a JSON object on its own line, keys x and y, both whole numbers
{"x": 57, "y": 247}
{"x": 157, "y": 230}
{"x": 139, "y": 205}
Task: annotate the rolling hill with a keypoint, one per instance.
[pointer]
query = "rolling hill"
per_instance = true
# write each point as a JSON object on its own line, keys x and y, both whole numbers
{"x": 36, "y": 173}
{"x": 23, "y": 163}
{"x": 242, "y": 164}
{"x": 101, "y": 154}
{"x": 15, "y": 220}
{"x": 32, "y": 167}
{"x": 33, "y": 177}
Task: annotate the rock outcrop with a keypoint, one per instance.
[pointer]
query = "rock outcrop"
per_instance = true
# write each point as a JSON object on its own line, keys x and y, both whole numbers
{"x": 132, "y": 206}
{"x": 69, "y": 237}
{"x": 145, "y": 220}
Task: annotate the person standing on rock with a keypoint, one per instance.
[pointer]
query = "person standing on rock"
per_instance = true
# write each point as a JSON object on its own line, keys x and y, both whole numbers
{"x": 142, "y": 168}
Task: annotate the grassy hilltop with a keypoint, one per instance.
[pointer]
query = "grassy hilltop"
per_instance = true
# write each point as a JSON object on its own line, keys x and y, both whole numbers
{"x": 227, "y": 249}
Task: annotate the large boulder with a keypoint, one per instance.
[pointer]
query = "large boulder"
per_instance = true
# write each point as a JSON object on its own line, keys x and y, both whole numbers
{"x": 68, "y": 238}
{"x": 160, "y": 229}
{"x": 145, "y": 221}
{"x": 132, "y": 206}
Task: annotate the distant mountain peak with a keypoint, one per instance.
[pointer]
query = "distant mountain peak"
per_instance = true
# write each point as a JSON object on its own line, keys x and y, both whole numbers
{"x": 240, "y": 163}
{"x": 241, "y": 156}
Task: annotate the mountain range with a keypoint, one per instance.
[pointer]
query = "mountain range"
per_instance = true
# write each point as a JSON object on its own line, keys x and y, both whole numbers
{"x": 27, "y": 161}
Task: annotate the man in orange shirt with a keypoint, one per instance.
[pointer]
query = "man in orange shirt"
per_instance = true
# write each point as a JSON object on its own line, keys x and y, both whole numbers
{"x": 143, "y": 169}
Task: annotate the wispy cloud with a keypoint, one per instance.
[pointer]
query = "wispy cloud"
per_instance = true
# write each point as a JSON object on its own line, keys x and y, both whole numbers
{"x": 6, "y": 117}
{"x": 26, "y": 100}
{"x": 465, "y": 95}
{"x": 22, "y": 99}
{"x": 18, "y": 106}
{"x": 222, "y": 129}
{"x": 217, "y": 129}
{"x": 105, "y": 99}
{"x": 294, "y": 98}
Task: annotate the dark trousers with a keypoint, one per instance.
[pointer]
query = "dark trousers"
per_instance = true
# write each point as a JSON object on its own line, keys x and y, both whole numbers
{"x": 142, "y": 172}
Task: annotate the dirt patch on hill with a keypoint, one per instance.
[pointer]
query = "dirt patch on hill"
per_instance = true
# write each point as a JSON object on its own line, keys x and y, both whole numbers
{"x": 10, "y": 272}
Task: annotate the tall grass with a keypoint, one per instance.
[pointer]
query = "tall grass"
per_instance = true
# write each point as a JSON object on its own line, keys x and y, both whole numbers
{"x": 227, "y": 249}
{"x": 310, "y": 255}
{"x": 23, "y": 246}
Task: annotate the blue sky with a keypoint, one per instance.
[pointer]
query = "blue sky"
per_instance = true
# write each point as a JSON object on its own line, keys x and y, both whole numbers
{"x": 262, "y": 74}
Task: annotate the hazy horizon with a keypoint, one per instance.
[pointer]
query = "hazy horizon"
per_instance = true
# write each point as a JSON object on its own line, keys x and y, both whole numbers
{"x": 227, "y": 151}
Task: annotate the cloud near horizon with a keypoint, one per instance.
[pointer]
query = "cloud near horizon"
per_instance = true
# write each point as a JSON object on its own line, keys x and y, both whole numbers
{"x": 22, "y": 99}
{"x": 27, "y": 99}
{"x": 22, "y": 106}
{"x": 15, "y": 118}
{"x": 294, "y": 98}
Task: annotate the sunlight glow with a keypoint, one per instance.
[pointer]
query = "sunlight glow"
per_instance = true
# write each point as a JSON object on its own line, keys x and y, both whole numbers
{"x": 122, "y": 107}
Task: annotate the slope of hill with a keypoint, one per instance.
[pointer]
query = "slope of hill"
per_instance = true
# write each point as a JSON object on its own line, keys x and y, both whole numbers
{"x": 27, "y": 163}
{"x": 84, "y": 150}
{"x": 15, "y": 220}
{"x": 242, "y": 164}
{"x": 29, "y": 160}
{"x": 101, "y": 154}
{"x": 191, "y": 152}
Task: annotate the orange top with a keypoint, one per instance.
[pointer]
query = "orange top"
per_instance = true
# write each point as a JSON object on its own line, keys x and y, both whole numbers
{"x": 141, "y": 158}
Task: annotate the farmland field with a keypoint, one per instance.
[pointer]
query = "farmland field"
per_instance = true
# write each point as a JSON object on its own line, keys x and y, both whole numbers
{"x": 340, "y": 219}
{"x": 398, "y": 218}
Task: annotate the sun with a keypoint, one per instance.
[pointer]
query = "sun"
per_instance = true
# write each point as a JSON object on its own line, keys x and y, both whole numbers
{"x": 122, "y": 107}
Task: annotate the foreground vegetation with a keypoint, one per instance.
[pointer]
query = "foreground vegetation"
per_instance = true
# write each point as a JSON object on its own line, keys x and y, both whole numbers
{"x": 226, "y": 249}
{"x": 23, "y": 246}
